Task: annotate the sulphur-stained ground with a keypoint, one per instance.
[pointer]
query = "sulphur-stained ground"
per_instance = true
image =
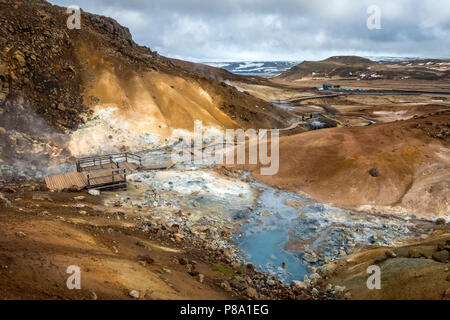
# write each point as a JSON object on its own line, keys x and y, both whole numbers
{"x": 121, "y": 254}
{"x": 413, "y": 272}
{"x": 41, "y": 238}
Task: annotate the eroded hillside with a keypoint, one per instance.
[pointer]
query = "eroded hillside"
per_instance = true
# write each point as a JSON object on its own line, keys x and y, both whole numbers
{"x": 64, "y": 92}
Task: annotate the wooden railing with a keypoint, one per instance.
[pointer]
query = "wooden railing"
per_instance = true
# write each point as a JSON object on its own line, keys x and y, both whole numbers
{"x": 83, "y": 164}
{"x": 111, "y": 179}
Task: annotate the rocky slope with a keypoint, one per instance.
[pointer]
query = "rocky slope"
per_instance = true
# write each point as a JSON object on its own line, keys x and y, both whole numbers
{"x": 96, "y": 87}
{"x": 402, "y": 164}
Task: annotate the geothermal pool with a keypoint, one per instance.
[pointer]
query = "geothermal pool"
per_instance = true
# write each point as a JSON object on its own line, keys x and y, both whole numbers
{"x": 273, "y": 226}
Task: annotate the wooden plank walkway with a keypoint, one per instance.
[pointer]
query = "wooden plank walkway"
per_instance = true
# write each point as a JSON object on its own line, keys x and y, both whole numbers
{"x": 98, "y": 176}
{"x": 102, "y": 172}
{"x": 68, "y": 180}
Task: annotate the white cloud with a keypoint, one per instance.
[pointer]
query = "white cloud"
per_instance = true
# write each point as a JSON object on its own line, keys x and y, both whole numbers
{"x": 280, "y": 29}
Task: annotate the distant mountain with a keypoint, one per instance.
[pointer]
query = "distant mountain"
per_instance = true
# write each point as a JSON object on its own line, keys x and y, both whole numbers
{"x": 255, "y": 68}
{"x": 359, "y": 68}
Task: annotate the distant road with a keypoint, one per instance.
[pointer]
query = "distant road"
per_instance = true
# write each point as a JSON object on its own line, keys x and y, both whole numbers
{"x": 365, "y": 92}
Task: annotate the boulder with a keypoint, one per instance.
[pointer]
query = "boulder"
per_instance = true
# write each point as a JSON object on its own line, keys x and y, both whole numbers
{"x": 299, "y": 285}
{"x": 251, "y": 293}
{"x": 94, "y": 193}
{"x": 374, "y": 172}
{"x": 225, "y": 286}
{"x": 441, "y": 256}
{"x": 390, "y": 254}
{"x": 134, "y": 294}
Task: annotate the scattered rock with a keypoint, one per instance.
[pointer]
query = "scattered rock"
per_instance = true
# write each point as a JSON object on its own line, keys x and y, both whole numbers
{"x": 93, "y": 192}
{"x": 4, "y": 202}
{"x": 134, "y": 294}
{"x": 265, "y": 214}
{"x": 175, "y": 228}
{"x": 338, "y": 291}
{"x": 146, "y": 259}
{"x": 441, "y": 256}
{"x": 21, "y": 234}
{"x": 201, "y": 278}
{"x": 239, "y": 283}
{"x": 183, "y": 261}
{"x": 310, "y": 257}
{"x": 74, "y": 189}
{"x": 225, "y": 286}
{"x": 93, "y": 295}
{"x": 441, "y": 221}
{"x": 374, "y": 172}
{"x": 390, "y": 254}
{"x": 143, "y": 263}
{"x": 80, "y": 198}
{"x": 251, "y": 293}
{"x": 194, "y": 273}
{"x": 299, "y": 285}
{"x": 61, "y": 107}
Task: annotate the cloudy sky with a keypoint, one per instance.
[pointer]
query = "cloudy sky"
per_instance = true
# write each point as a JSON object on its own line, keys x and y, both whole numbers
{"x": 261, "y": 30}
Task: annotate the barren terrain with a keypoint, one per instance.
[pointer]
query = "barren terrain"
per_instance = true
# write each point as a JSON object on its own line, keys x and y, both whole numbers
{"x": 363, "y": 173}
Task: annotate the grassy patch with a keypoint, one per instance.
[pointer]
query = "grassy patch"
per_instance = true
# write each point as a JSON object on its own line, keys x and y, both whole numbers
{"x": 228, "y": 271}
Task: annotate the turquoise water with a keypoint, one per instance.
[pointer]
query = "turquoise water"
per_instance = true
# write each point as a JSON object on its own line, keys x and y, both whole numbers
{"x": 263, "y": 239}
{"x": 266, "y": 251}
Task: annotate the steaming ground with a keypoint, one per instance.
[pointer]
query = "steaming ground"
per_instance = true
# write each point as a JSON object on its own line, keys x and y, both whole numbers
{"x": 268, "y": 227}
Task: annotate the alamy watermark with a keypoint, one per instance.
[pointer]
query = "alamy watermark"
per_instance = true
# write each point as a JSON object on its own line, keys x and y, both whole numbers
{"x": 74, "y": 281}
{"x": 74, "y": 20}
{"x": 231, "y": 147}
{"x": 374, "y": 19}
{"x": 374, "y": 281}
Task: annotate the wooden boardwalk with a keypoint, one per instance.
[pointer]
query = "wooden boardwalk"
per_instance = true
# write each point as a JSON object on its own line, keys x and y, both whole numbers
{"x": 102, "y": 172}
{"x": 68, "y": 180}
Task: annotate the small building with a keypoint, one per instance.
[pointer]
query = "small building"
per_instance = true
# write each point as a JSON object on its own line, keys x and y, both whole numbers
{"x": 327, "y": 86}
{"x": 337, "y": 86}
